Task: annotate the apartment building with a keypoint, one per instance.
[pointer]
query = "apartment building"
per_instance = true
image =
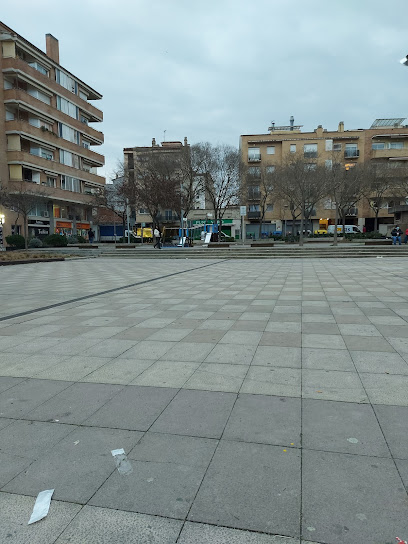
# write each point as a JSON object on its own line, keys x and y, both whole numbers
{"x": 386, "y": 141}
{"x": 47, "y": 139}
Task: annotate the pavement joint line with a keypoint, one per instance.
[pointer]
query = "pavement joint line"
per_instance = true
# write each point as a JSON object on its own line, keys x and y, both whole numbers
{"x": 85, "y": 297}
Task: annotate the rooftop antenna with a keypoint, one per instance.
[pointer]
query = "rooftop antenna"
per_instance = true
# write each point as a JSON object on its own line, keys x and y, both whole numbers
{"x": 272, "y": 127}
{"x": 164, "y": 135}
{"x": 292, "y": 122}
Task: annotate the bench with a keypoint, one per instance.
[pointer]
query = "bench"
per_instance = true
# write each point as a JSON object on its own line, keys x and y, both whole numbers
{"x": 260, "y": 244}
{"x": 378, "y": 243}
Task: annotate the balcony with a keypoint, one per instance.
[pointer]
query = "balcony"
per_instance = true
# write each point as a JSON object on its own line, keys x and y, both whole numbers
{"x": 18, "y": 96}
{"x": 310, "y": 154}
{"x": 11, "y": 65}
{"x": 351, "y": 154}
{"x": 255, "y": 158}
{"x": 352, "y": 212}
{"x": 253, "y": 215}
{"x": 390, "y": 153}
{"x": 24, "y": 128}
{"x": 51, "y": 193}
{"x": 23, "y": 157}
{"x": 254, "y": 196}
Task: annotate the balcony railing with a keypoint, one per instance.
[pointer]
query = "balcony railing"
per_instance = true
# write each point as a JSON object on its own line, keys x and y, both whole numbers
{"x": 254, "y": 158}
{"x": 351, "y": 153}
{"x": 352, "y": 211}
{"x": 254, "y": 215}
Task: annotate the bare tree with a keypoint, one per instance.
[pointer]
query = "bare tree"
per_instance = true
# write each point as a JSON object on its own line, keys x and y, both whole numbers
{"x": 220, "y": 167}
{"x": 22, "y": 199}
{"x": 301, "y": 182}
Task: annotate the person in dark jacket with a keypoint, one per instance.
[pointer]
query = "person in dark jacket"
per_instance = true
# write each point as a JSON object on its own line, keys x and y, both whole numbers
{"x": 396, "y": 235}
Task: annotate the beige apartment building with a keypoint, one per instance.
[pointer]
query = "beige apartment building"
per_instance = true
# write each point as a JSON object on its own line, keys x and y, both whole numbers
{"x": 46, "y": 138}
{"x": 386, "y": 141}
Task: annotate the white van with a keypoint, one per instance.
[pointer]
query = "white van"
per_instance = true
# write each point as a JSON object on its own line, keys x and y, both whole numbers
{"x": 350, "y": 229}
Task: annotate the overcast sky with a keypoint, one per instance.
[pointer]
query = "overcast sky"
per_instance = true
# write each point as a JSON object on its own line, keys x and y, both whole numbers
{"x": 214, "y": 69}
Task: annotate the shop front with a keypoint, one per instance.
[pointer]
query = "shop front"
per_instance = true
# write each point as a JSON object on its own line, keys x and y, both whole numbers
{"x": 82, "y": 229}
{"x": 38, "y": 228}
{"x": 63, "y": 227}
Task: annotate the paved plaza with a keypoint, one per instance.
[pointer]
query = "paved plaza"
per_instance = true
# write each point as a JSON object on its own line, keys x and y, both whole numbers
{"x": 258, "y": 401}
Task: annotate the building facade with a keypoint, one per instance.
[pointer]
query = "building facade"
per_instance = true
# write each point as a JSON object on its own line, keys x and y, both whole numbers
{"x": 46, "y": 138}
{"x": 385, "y": 142}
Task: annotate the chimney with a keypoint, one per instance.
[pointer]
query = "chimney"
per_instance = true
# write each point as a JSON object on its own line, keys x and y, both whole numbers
{"x": 52, "y": 47}
{"x": 153, "y": 142}
{"x": 292, "y": 122}
{"x": 185, "y": 140}
{"x": 341, "y": 126}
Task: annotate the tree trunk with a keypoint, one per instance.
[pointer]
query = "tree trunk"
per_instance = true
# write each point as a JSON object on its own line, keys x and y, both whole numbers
{"x": 376, "y": 221}
{"x": 302, "y": 216}
{"x": 25, "y": 223}
{"x": 336, "y": 220}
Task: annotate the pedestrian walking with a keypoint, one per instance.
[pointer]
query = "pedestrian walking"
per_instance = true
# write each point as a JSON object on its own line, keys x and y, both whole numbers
{"x": 157, "y": 237}
{"x": 406, "y": 237}
{"x": 396, "y": 235}
{"x": 91, "y": 236}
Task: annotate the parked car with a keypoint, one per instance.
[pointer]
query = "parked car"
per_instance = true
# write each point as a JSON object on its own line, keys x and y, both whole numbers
{"x": 349, "y": 229}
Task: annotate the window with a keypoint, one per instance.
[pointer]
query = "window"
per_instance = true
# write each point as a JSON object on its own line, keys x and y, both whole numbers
{"x": 41, "y": 152}
{"x": 378, "y": 145}
{"x": 270, "y": 150}
{"x": 68, "y": 158}
{"x": 253, "y": 192}
{"x": 143, "y": 211}
{"x": 254, "y": 208}
{"x": 351, "y": 150}
{"x": 50, "y": 182}
{"x": 269, "y": 208}
{"x": 31, "y": 175}
{"x": 329, "y": 145}
{"x": 254, "y": 172}
{"x": 39, "y": 123}
{"x": 254, "y": 154}
{"x": 39, "y": 95}
{"x": 65, "y": 81}
{"x": 84, "y": 120}
{"x": 336, "y": 147}
{"x": 68, "y": 133}
{"x": 86, "y": 144}
{"x": 39, "y": 67}
{"x": 7, "y": 84}
{"x": 293, "y": 148}
{"x": 168, "y": 214}
{"x": 329, "y": 204}
{"x": 310, "y": 150}
{"x": 311, "y": 166}
{"x": 83, "y": 95}
{"x": 396, "y": 145}
{"x": 67, "y": 107}
{"x": 328, "y": 164}
{"x": 9, "y": 115}
{"x": 270, "y": 169}
{"x": 70, "y": 184}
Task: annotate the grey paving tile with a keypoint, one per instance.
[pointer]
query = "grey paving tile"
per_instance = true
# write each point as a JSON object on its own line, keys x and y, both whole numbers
{"x": 327, "y": 359}
{"x": 188, "y": 352}
{"x": 358, "y": 319}
{"x": 386, "y": 389}
{"x": 332, "y": 385}
{"x": 166, "y": 374}
{"x": 217, "y": 377}
{"x": 11, "y": 464}
{"x": 320, "y": 328}
{"x": 163, "y": 489}
{"x": 6, "y": 382}
{"x": 110, "y": 348}
{"x": 72, "y": 368}
{"x": 75, "y": 404}
{"x": 168, "y": 448}
{"x": 196, "y": 413}
{"x": 283, "y": 382}
{"x": 367, "y": 343}
{"x": 394, "y": 424}
{"x": 147, "y": 349}
{"x": 95, "y": 525}
{"x": 245, "y": 483}
{"x": 318, "y": 318}
{"x": 402, "y": 466}
{"x": 277, "y": 356}
{"x": 15, "y": 511}
{"x": 232, "y": 354}
{"x": 201, "y": 533}
{"x": 389, "y": 363}
{"x": 136, "y": 334}
{"x": 76, "y": 467}
{"x": 134, "y": 408}
{"x": 265, "y": 419}
{"x": 352, "y": 494}
{"x": 342, "y": 427}
{"x": 170, "y": 335}
{"x": 358, "y": 330}
{"x": 241, "y": 337}
{"x": 27, "y": 395}
{"x": 323, "y": 341}
{"x": 31, "y": 438}
{"x": 119, "y": 371}
{"x": 284, "y": 339}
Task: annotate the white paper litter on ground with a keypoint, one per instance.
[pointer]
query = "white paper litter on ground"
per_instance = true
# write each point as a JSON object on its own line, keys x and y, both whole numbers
{"x": 41, "y": 506}
{"x": 122, "y": 464}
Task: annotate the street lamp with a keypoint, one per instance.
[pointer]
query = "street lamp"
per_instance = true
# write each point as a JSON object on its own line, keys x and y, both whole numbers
{"x": 2, "y": 219}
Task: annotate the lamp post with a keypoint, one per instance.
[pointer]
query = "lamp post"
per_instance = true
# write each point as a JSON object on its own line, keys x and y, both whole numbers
{"x": 2, "y": 219}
